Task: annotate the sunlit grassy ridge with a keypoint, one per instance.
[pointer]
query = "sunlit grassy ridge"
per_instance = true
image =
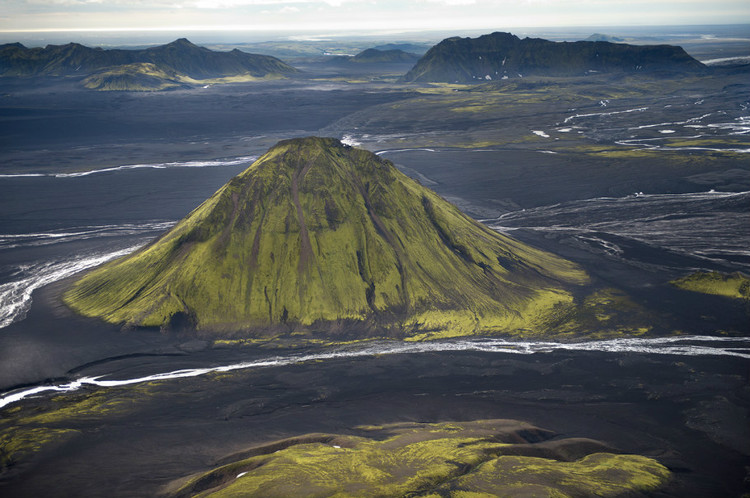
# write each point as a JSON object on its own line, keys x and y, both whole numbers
{"x": 316, "y": 236}
{"x": 480, "y": 458}
{"x": 28, "y": 429}
{"x": 147, "y": 77}
{"x": 137, "y": 77}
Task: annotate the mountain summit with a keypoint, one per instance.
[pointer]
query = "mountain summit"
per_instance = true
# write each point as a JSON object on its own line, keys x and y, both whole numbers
{"x": 320, "y": 237}
{"x": 503, "y": 55}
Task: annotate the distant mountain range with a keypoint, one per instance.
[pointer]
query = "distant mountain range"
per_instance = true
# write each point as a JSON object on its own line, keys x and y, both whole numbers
{"x": 503, "y": 55}
{"x": 179, "y": 61}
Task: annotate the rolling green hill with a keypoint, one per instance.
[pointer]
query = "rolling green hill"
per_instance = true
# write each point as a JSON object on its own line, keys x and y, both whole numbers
{"x": 137, "y": 77}
{"x": 503, "y": 55}
{"x": 479, "y": 459}
{"x": 318, "y": 237}
{"x": 180, "y": 56}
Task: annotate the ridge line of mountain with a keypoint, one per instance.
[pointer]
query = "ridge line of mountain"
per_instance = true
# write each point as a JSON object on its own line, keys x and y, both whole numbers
{"x": 178, "y": 60}
{"x": 501, "y": 55}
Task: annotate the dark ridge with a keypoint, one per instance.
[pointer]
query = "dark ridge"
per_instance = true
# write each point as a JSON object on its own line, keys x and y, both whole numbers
{"x": 503, "y": 56}
{"x": 179, "y": 56}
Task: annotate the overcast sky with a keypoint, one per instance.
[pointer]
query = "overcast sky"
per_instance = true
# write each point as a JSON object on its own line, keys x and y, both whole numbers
{"x": 349, "y": 15}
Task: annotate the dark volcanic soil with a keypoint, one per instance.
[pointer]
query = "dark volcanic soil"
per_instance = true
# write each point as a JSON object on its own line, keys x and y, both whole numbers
{"x": 690, "y": 412}
{"x": 682, "y": 411}
{"x": 83, "y": 129}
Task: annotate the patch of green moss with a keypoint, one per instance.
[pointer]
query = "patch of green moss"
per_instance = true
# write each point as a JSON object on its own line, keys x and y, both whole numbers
{"x": 137, "y": 77}
{"x": 21, "y": 443}
{"x": 69, "y": 407}
{"x": 599, "y": 474}
{"x": 604, "y": 314}
{"x": 460, "y": 459}
{"x": 734, "y": 285}
{"x": 28, "y": 428}
{"x": 706, "y": 142}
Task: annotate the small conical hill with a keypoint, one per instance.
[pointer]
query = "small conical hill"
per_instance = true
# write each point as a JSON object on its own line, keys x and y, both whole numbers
{"x": 317, "y": 236}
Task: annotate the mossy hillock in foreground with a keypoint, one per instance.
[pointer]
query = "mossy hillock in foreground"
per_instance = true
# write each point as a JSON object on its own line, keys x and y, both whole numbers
{"x": 483, "y": 458}
{"x": 320, "y": 237}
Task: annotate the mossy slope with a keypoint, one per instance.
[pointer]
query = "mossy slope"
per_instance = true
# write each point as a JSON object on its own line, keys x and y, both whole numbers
{"x": 735, "y": 285}
{"x": 316, "y": 235}
{"x": 486, "y": 457}
{"x": 137, "y": 77}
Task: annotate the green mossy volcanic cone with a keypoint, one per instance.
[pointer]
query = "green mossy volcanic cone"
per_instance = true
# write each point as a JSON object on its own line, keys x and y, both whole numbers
{"x": 320, "y": 237}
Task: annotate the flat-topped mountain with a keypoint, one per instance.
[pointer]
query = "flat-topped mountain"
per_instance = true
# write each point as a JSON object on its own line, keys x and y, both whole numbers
{"x": 320, "y": 237}
{"x": 503, "y": 55}
{"x": 180, "y": 56}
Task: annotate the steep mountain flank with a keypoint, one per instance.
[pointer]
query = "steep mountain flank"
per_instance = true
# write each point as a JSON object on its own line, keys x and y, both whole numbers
{"x": 317, "y": 236}
{"x": 503, "y": 55}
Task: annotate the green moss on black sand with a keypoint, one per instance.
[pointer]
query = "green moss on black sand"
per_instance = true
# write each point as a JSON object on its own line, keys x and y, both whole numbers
{"x": 459, "y": 459}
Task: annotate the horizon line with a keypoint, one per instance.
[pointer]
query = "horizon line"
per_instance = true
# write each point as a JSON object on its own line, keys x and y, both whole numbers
{"x": 266, "y": 28}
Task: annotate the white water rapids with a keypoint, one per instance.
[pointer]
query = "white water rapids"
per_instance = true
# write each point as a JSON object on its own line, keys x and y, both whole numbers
{"x": 675, "y": 345}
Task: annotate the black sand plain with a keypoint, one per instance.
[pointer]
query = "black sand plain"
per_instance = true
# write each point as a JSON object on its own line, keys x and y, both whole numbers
{"x": 689, "y": 412}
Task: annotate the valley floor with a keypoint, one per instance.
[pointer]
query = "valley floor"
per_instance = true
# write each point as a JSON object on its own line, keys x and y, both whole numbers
{"x": 575, "y": 167}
